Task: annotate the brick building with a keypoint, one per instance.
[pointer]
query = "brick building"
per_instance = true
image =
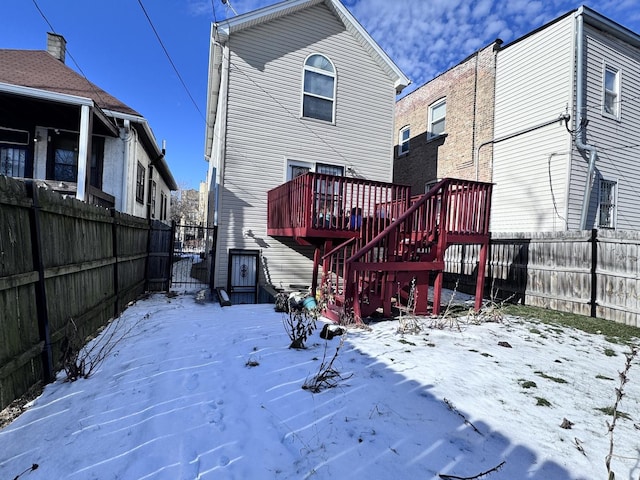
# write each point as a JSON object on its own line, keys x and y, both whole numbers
{"x": 442, "y": 125}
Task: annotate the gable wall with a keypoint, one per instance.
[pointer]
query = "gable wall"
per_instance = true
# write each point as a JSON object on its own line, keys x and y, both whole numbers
{"x": 264, "y": 129}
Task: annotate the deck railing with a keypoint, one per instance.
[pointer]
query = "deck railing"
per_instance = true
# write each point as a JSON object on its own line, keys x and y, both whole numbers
{"x": 316, "y": 205}
{"x": 453, "y": 211}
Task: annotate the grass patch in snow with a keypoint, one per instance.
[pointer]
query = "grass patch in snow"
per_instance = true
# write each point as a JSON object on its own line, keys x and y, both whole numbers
{"x": 609, "y": 412}
{"x": 542, "y": 402}
{"x": 602, "y": 377}
{"x": 613, "y": 331}
{"x": 549, "y": 377}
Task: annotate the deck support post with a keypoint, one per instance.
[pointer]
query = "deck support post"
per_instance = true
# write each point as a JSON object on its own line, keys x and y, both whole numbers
{"x": 316, "y": 264}
{"x": 484, "y": 249}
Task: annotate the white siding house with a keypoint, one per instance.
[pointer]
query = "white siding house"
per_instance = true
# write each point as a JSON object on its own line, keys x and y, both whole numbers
{"x": 265, "y": 124}
{"x": 552, "y": 173}
{"x": 66, "y": 133}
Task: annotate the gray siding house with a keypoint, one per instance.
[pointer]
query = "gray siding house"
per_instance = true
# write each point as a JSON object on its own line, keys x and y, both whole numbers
{"x": 561, "y": 145}
{"x": 298, "y": 86}
{"x": 568, "y": 174}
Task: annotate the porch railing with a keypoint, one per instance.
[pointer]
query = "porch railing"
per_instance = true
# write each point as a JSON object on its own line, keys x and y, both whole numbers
{"x": 316, "y": 205}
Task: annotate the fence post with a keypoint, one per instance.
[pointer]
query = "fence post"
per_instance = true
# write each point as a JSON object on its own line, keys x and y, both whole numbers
{"x": 594, "y": 272}
{"x": 40, "y": 289}
{"x": 116, "y": 280}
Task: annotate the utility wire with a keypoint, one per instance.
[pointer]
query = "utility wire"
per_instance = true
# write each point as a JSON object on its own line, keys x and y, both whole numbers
{"x": 195, "y": 104}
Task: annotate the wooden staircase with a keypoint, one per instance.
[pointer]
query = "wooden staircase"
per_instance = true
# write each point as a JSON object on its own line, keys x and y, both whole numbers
{"x": 366, "y": 273}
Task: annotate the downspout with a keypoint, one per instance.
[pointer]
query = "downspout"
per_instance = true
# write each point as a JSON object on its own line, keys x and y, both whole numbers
{"x": 126, "y": 167}
{"x": 582, "y": 123}
{"x": 220, "y": 130}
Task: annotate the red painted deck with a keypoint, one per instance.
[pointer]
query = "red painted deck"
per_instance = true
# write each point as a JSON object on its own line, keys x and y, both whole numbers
{"x": 376, "y": 239}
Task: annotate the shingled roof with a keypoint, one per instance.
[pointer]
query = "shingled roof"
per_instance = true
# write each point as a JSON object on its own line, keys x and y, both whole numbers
{"x": 40, "y": 70}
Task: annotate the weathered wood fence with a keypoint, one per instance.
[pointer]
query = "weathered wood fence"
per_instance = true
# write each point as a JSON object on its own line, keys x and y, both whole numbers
{"x": 62, "y": 259}
{"x": 594, "y": 273}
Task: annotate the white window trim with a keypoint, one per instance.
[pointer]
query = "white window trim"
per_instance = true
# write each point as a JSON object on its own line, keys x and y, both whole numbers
{"x": 434, "y": 105}
{"x": 296, "y": 163}
{"x": 618, "y": 107}
{"x": 402, "y": 142}
{"x": 305, "y": 67}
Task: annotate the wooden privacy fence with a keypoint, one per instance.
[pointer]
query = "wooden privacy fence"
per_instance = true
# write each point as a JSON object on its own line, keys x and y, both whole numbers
{"x": 62, "y": 259}
{"x": 594, "y": 273}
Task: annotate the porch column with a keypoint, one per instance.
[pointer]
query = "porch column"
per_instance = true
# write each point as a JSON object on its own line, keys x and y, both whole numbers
{"x": 84, "y": 152}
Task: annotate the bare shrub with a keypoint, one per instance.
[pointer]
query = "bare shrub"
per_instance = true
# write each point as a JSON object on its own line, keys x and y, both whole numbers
{"x": 299, "y": 325}
{"x": 409, "y": 323}
{"x": 624, "y": 378}
{"x": 80, "y": 359}
{"x": 328, "y": 376}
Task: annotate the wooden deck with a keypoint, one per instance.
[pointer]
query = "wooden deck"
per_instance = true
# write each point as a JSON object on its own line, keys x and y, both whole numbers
{"x": 372, "y": 240}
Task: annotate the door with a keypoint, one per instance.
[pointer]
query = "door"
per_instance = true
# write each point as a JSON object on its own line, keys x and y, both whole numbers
{"x": 243, "y": 276}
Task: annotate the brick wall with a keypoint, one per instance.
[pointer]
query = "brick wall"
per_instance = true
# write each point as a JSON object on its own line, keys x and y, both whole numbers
{"x": 469, "y": 91}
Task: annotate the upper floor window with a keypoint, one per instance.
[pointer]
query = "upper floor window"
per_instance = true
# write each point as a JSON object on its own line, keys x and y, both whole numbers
{"x": 611, "y": 92}
{"x": 319, "y": 88}
{"x": 437, "y": 116}
{"x": 607, "y": 204}
{"x": 403, "y": 140}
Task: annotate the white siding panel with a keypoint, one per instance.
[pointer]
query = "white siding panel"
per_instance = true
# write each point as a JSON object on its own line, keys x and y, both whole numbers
{"x": 264, "y": 129}
{"x": 533, "y": 86}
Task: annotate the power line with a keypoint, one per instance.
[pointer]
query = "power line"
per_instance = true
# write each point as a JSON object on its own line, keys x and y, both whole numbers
{"x": 195, "y": 104}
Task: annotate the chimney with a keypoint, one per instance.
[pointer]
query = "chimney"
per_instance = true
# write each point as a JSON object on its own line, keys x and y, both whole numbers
{"x": 56, "y": 45}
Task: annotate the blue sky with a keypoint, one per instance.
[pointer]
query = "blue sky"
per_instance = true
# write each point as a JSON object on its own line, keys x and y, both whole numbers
{"x": 114, "y": 45}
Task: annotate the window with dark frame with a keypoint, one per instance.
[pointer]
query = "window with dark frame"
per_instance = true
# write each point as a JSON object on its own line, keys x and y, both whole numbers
{"x": 64, "y": 165}
{"x": 97, "y": 162}
{"x": 607, "y": 204}
{"x": 13, "y": 160}
{"x": 140, "y": 184}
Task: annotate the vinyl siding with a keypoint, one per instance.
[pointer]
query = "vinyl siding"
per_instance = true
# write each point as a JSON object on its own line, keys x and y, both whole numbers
{"x": 264, "y": 129}
{"x": 617, "y": 141}
{"x": 533, "y": 86}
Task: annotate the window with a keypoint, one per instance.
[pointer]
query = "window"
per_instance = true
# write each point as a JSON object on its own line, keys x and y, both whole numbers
{"x": 163, "y": 206}
{"x": 97, "y": 162}
{"x": 65, "y": 157}
{"x": 152, "y": 199}
{"x": 403, "y": 140}
{"x": 607, "y": 204}
{"x": 611, "y": 97}
{"x": 319, "y": 88}
{"x": 140, "y": 184}
{"x": 12, "y": 161}
{"x": 437, "y": 116}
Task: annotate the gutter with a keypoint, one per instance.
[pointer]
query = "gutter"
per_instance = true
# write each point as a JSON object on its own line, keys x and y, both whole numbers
{"x": 582, "y": 120}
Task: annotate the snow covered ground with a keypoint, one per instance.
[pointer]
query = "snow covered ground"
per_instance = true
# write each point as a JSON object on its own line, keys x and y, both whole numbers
{"x": 197, "y": 391}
